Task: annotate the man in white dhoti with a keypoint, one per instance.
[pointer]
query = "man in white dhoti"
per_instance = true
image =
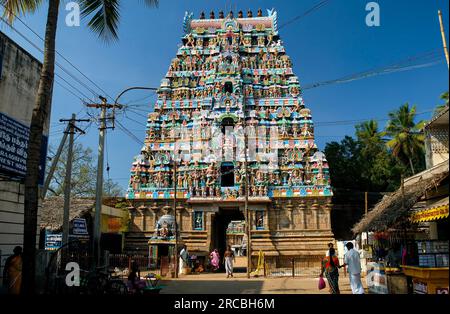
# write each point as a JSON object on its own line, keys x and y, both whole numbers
{"x": 353, "y": 262}
{"x": 184, "y": 256}
{"x": 229, "y": 259}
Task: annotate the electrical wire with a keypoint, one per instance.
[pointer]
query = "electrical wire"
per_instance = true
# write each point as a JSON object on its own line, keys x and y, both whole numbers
{"x": 59, "y": 54}
{"x": 42, "y": 51}
{"x": 306, "y": 13}
{"x": 422, "y": 60}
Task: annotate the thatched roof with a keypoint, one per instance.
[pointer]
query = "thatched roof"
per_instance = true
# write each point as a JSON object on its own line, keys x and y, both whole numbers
{"x": 52, "y": 211}
{"x": 394, "y": 208}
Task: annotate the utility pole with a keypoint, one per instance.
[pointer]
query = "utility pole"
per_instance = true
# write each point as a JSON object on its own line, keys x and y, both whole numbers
{"x": 55, "y": 163}
{"x": 68, "y": 177}
{"x": 444, "y": 40}
{"x": 366, "y": 205}
{"x": 175, "y": 210}
{"x": 100, "y": 169}
{"x": 248, "y": 224}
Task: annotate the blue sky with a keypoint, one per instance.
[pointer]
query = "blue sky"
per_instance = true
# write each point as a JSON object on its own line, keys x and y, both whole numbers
{"x": 330, "y": 43}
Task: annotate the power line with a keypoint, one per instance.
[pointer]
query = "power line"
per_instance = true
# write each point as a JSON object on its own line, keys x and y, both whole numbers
{"x": 130, "y": 134}
{"x": 426, "y": 59}
{"x": 306, "y": 13}
{"x": 42, "y": 51}
{"x": 59, "y": 54}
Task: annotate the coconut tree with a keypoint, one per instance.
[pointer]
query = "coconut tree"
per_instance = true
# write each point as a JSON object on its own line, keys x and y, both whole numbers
{"x": 406, "y": 138}
{"x": 368, "y": 133}
{"x": 439, "y": 108}
{"x": 103, "y": 18}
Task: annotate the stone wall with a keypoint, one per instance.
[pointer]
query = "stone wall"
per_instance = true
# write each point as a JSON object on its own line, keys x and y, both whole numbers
{"x": 292, "y": 227}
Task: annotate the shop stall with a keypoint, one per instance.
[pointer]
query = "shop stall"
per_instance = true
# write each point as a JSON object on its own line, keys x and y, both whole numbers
{"x": 409, "y": 237}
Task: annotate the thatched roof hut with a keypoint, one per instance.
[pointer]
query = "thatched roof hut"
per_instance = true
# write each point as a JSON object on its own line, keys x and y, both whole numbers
{"x": 52, "y": 211}
{"x": 394, "y": 208}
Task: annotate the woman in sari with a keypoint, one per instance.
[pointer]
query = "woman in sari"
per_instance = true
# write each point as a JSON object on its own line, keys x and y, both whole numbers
{"x": 215, "y": 259}
{"x": 12, "y": 273}
{"x": 330, "y": 266}
{"x": 229, "y": 259}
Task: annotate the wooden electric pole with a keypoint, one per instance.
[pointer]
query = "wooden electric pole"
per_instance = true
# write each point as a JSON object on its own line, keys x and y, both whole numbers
{"x": 68, "y": 177}
{"x": 444, "y": 40}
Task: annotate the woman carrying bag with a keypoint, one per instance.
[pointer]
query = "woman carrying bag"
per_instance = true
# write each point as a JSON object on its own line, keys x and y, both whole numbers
{"x": 330, "y": 266}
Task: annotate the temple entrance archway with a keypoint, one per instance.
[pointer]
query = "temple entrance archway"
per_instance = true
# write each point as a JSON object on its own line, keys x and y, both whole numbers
{"x": 220, "y": 222}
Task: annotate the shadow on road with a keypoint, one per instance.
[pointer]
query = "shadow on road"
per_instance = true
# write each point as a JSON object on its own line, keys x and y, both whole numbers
{"x": 212, "y": 287}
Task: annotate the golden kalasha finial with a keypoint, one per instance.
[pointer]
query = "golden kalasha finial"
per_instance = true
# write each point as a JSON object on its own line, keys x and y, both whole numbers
{"x": 202, "y": 16}
{"x": 240, "y": 14}
{"x": 212, "y": 16}
{"x": 260, "y": 13}
{"x": 221, "y": 16}
{"x": 249, "y": 13}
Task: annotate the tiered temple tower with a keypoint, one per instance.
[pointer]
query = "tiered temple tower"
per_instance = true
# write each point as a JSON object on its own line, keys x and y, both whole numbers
{"x": 230, "y": 74}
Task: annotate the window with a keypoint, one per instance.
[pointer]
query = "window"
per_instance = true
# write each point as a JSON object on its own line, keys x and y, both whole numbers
{"x": 227, "y": 124}
{"x": 259, "y": 220}
{"x": 228, "y": 87}
{"x": 227, "y": 171}
{"x": 198, "y": 220}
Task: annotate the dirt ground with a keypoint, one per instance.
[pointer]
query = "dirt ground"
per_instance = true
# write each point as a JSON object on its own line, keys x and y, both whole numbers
{"x": 219, "y": 284}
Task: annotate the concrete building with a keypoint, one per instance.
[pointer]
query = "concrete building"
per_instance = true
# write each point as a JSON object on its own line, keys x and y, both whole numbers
{"x": 19, "y": 81}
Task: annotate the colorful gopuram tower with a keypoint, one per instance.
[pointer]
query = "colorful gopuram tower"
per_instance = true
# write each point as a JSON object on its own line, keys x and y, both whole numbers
{"x": 230, "y": 74}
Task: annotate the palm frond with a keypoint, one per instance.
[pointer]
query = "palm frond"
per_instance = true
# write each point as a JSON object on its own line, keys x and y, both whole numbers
{"x": 19, "y": 7}
{"x": 104, "y": 17}
{"x": 151, "y": 3}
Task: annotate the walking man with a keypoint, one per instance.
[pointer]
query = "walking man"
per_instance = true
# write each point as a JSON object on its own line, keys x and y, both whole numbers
{"x": 184, "y": 256}
{"x": 353, "y": 262}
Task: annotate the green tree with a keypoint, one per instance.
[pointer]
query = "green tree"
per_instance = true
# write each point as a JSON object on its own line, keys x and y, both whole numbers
{"x": 377, "y": 163}
{"x": 345, "y": 166}
{"x": 103, "y": 16}
{"x": 406, "y": 138}
{"x": 83, "y": 170}
{"x": 443, "y": 106}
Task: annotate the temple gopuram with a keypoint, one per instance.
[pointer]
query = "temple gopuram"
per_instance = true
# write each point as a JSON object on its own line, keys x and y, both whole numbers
{"x": 231, "y": 75}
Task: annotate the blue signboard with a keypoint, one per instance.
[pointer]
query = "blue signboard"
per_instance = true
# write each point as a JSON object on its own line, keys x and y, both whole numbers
{"x": 13, "y": 148}
{"x": 53, "y": 241}
{"x": 79, "y": 227}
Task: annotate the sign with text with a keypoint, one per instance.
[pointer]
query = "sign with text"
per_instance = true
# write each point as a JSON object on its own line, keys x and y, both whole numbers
{"x": 13, "y": 148}
{"x": 79, "y": 226}
{"x": 53, "y": 241}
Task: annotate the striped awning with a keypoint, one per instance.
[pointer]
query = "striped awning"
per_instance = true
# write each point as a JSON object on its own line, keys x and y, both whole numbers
{"x": 435, "y": 211}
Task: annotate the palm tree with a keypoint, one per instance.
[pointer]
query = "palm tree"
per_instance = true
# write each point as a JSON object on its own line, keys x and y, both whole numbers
{"x": 103, "y": 16}
{"x": 368, "y": 133}
{"x": 439, "y": 108}
{"x": 407, "y": 140}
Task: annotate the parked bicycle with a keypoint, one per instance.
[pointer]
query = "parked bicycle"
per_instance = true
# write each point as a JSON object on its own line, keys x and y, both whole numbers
{"x": 102, "y": 281}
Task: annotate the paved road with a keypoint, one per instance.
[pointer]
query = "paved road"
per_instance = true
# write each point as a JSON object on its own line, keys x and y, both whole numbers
{"x": 219, "y": 284}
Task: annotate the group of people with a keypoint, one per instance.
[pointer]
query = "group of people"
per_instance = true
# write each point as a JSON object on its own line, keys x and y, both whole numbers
{"x": 330, "y": 267}
{"x": 214, "y": 259}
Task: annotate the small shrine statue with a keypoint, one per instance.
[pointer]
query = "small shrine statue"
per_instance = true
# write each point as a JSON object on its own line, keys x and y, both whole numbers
{"x": 261, "y": 41}
{"x": 306, "y": 130}
{"x": 190, "y": 40}
{"x": 210, "y": 175}
{"x": 162, "y": 231}
{"x": 198, "y": 222}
